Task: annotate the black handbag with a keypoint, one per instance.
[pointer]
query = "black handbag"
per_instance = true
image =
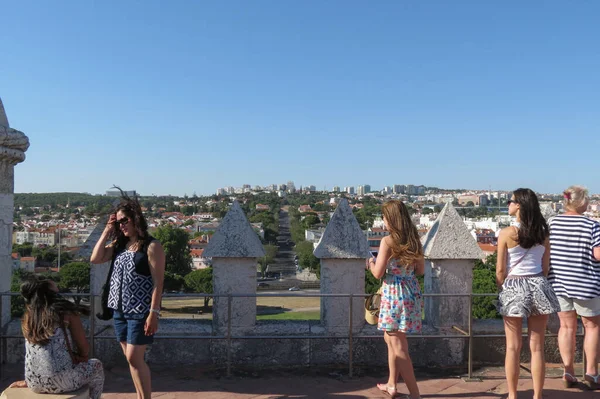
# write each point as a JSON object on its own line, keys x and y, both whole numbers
{"x": 106, "y": 312}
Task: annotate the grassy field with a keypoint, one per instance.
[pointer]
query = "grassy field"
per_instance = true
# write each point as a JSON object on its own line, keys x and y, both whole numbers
{"x": 268, "y": 308}
{"x": 309, "y": 315}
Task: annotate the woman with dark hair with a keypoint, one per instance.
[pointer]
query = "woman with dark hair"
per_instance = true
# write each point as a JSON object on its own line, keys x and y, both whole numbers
{"x": 575, "y": 277}
{"x": 523, "y": 264}
{"x": 135, "y": 285}
{"x": 399, "y": 259}
{"x": 56, "y": 350}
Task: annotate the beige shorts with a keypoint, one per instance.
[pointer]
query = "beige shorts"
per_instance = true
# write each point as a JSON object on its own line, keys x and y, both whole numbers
{"x": 583, "y": 307}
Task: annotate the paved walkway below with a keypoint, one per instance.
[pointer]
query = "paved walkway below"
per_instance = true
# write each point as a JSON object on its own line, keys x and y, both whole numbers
{"x": 197, "y": 383}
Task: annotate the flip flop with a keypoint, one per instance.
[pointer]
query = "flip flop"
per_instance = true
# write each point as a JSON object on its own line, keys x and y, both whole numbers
{"x": 569, "y": 380}
{"x": 592, "y": 384}
{"x": 389, "y": 390}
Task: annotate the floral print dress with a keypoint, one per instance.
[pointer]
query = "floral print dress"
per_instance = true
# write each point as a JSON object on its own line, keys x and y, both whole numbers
{"x": 401, "y": 300}
{"x": 50, "y": 369}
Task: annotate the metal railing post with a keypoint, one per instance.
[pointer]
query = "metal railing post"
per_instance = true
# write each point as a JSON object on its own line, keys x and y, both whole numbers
{"x": 470, "y": 365}
{"x": 583, "y": 358}
{"x": 229, "y": 335}
{"x": 350, "y": 339}
{"x": 92, "y": 324}
{"x": 2, "y": 339}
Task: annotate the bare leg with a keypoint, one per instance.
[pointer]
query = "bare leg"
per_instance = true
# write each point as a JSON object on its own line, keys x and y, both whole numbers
{"x": 566, "y": 340}
{"x": 140, "y": 372}
{"x": 590, "y": 343}
{"x": 513, "y": 328}
{"x": 393, "y": 377}
{"x": 404, "y": 362}
{"x": 537, "y": 334}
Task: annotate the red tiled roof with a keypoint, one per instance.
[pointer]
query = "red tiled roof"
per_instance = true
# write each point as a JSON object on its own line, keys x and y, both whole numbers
{"x": 196, "y": 253}
{"x": 487, "y": 247}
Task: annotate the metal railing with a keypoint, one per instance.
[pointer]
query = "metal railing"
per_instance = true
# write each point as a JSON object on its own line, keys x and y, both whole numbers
{"x": 469, "y": 335}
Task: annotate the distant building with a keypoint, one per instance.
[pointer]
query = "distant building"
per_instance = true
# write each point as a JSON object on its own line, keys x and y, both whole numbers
{"x": 117, "y": 193}
{"x": 28, "y": 263}
{"x": 399, "y": 188}
{"x": 336, "y": 189}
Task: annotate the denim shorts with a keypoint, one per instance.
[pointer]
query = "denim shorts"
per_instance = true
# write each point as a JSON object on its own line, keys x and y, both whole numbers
{"x": 130, "y": 328}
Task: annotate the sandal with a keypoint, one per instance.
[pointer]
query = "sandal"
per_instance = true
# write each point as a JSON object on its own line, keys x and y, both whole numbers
{"x": 592, "y": 382}
{"x": 389, "y": 390}
{"x": 569, "y": 380}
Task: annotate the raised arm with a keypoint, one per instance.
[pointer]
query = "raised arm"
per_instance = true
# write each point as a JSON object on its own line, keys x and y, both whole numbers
{"x": 102, "y": 253}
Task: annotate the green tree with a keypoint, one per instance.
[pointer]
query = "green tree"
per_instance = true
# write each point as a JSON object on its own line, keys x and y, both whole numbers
{"x": 484, "y": 281}
{"x": 75, "y": 276}
{"x": 200, "y": 281}
{"x": 17, "y": 303}
{"x": 470, "y": 203}
{"x": 310, "y": 220}
{"x": 372, "y": 284}
{"x": 306, "y": 258}
{"x": 24, "y": 249}
{"x": 173, "y": 282}
{"x": 270, "y": 253}
{"x": 177, "y": 249}
{"x": 427, "y": 211}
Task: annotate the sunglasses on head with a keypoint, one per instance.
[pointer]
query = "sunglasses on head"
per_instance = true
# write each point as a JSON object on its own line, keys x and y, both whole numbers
{"x": 123, "y": 221}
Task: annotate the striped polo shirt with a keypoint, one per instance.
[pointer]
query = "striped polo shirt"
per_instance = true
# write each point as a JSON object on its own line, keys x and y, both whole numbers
{"x": 574, "y": 272}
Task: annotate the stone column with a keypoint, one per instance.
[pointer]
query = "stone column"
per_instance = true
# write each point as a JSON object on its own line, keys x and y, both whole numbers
{"x": 450, "y": 255}
{"x": 13, "y": 145}
{"x": 343, "y": 249}
{"x": 234, "y": 249}
{"x": 98, "y": 273}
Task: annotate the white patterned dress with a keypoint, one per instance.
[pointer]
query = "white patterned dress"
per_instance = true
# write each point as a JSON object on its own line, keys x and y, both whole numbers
{"x": 49, "y": 368}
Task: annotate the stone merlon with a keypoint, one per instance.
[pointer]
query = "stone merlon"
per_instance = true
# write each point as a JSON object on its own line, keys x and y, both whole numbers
{"x": 235, "y": 237}
{"x": 449, "y": 238}
{"x": 13, "y": 143}
{"x": 343, "y": 237}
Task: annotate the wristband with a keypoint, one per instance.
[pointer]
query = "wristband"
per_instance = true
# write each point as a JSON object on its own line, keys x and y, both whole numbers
{"x": 157, "y": 311}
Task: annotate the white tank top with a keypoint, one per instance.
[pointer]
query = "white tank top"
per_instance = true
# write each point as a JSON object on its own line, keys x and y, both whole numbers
{"x": 525, "y": 262}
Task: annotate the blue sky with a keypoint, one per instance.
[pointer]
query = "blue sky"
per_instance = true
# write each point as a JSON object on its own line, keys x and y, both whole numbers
{"x": 188, "y": 96}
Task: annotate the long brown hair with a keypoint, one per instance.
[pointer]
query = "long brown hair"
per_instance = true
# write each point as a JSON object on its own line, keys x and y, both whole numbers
{"x": 131, "y": 208}
{"x": 44, "y": 310}
{"x": 534, "y": 229}
{"x": 406, "y": 245}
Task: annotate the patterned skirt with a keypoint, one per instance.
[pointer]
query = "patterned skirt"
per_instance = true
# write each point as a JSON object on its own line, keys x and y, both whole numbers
{"x": 401, "y": 304}
{"x": 527, "y": 296}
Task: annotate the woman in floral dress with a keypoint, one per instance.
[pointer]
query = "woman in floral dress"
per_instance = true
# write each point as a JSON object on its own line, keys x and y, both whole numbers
{"x": 399, "y": 259}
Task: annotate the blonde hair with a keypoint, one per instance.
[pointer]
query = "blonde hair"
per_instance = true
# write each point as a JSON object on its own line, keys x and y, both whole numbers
{"x": 406, "y": 246}
{"x": 576, "y": 198}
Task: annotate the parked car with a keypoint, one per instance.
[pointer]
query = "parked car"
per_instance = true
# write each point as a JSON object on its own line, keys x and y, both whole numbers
{"x": 294, "y": 289}
{"x": 263, "y": 284}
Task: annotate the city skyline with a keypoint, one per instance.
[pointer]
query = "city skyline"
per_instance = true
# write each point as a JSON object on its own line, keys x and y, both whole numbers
{"x": 189, "y": 97}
